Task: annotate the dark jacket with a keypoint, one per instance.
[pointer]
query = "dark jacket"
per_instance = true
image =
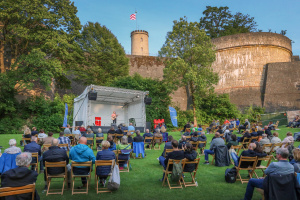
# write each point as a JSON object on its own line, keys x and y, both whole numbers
{"x": 33, "y": 147}
{"x": 176, "y": 155}
{"x": 268, "y": 132}
{"x": 111, "y": 132}
{"x": 138, "y": 139}
{"x": 250, "y": 153}
{"x": 147, "y": 135}
{"x": 104, "y": 155}
{"x": 182, "y": 143}
{"x": 33, "y": 133}
{"x": 55, "y": 154}
{"x": 278, "y": 187}
{"x": 168, "y": 145}
{"x": 17, "y": 177}
{"x": 259, "y": 133}
{"x": 222, "y": 157}
{"x": 191, "y": 156}
{"x": 201, "y": 138}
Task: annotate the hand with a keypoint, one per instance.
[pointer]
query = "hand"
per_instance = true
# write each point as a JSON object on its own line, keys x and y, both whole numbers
{"x": 261, "y": 178}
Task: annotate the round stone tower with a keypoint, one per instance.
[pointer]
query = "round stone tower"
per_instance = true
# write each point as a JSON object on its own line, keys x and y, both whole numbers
{"x": 241, "y": 62}
{"x": 139, "y": 43}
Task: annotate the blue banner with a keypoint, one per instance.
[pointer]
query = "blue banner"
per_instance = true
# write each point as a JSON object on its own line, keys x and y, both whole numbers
{"x": 66, "y": 116}
{"x": 173, "y": 115}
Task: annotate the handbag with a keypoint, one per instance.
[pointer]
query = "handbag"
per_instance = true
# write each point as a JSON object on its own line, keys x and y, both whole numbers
{"x": 114, "y": 180}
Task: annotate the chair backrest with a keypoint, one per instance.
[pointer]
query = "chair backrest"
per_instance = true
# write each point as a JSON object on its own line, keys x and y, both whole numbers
{"x": 254, "y": 138}
{"x": 46, "y": 145}
{"x": 9, "y": 191}
{"x": 99, "y": 138}
{"x": 251, "y": 160}
{"x": 82, "y": 164}
{"x": 237, "y": 148}
{"x": 266, "y": 146}
{"x": 148, "y": 138}
{"x": 132, "y": 132}
{"x": 64, "y": 145}
{"x": 158, "y": 138}
{"x": 202, "y": 142}
{"x": 35, "y": 155}
{"x": 273, "y": 149}
{"x": 196, "y": 162}
{"x": 167, "y": 151}
{"x": 171, "y": 162}
{"x": 266, "y": 159}
{"x": 69, "y": 135}
{"x": 188, "y": 137}
{"x": 55, "y": 164}
{"x": 104, "y": 163}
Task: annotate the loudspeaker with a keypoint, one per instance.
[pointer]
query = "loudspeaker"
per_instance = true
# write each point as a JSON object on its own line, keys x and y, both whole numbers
{"x": 148, "y": 100}
{"x": 78, "y": 123}
{"x": 148, "y": 125}
{"x": 92, "y": 96}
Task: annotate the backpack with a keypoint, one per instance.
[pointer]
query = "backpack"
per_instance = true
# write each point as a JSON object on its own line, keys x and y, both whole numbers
{"x": 114, "y": 180}
{"x": 230, "y": 175}
{"x": 176, "y": 172}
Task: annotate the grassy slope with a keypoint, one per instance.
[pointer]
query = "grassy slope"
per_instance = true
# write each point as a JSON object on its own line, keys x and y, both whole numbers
{"x": 142, "y": 181}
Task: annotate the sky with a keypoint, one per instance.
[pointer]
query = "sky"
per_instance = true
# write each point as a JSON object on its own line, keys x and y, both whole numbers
{"x": 157, "y": 16}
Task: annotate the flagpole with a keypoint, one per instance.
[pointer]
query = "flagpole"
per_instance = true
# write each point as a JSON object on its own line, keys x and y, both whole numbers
{"x": 136, "y": 19}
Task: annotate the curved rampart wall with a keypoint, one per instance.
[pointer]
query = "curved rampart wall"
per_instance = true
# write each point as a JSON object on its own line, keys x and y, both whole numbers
{"x": 240, "y": 62}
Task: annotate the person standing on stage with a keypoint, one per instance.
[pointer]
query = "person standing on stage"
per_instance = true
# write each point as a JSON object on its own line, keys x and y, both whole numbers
{"x": 114, "y": 117}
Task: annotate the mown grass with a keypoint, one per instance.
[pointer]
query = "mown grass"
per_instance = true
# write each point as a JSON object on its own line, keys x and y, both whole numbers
{"x": 142, "y": 182}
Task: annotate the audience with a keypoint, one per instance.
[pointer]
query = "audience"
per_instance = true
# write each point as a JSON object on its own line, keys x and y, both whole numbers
{"x": 275, "y": 139}
{"x": 191, "y": 155}
{"x": 213, "y": 124}
{"x": 42, "y": 134}
{"x": 182, "y": 142}
{"x": 33, "y": 147}
{"x": 34, "y": 132}
{"x": 202, "y": 138}
{"x": 82, "y": 153}
{"x": 259, "y": 131}
{"x": 126, "y": 149}
{"x": 253, "y": 133}
{"x": 67, "y": 130}
{"x": 168, "y": 145}
{"x": 288, "y": 139}
{"x": 147, "y": 134}
{"x": 265, "y": 140}
{"x": 216, "y": 142}
{"x": 112, "y": 144}
{"x": 245, "y": 126}
{"x": 64, "y": 140}
{"x": 99, "y": 134}
{"x": 282, "y": 167}
{"x": 105, "y": 154}
{"x": 27, "y": 134}
{"x": 46, "y": 140}
{"x": 130, "y": 127}
{"x": 89, "y": 134}
{"x": 55, "y": 154}
{"x": 233, "y": 141}
{"x": 20, "y": 176}
{"x": 164, "y": 134}
{"x": 138, "y": 137}
{"x": 296, "y": 161}
{"x": 12, "y": 149}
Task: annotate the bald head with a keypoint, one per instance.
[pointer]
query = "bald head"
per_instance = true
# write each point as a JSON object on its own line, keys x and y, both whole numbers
{"x": 252, "y": 146}
{"x": 55, "y": 142}
{"x": 83, "y": 140}
{"x": 217, "y": 134}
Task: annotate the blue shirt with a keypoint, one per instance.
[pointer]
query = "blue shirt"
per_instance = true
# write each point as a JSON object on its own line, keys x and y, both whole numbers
{"x": 131, "y": 128}
{"x": 282, "y": 167}
{"x": 65, "y": 140}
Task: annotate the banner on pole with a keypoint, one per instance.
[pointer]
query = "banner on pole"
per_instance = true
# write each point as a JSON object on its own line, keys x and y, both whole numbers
{"x": 173, "y": 115}
{"x": 66, "y": 116}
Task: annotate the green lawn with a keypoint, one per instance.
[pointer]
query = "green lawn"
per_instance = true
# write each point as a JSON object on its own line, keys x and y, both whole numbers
{"x": 142, "y": 182}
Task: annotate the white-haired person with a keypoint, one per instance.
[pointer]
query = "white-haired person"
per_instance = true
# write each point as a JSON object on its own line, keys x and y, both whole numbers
{"x": 12, "y": 149}
{"x": 20, "y": 176}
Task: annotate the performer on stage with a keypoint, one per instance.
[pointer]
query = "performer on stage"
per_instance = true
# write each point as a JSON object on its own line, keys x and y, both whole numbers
{"x": 114, "y": 117}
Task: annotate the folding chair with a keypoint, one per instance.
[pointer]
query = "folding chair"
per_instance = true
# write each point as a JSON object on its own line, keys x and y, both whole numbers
{"x": 46, "y": 147}
{"x": 92, "y": 144}
{"x": 167, "y": 171}
{"x": 9, "y": 191}
{"x": 72, "y": 138}
{"x": 237, "y": 149}
{"x": 67, "y": 147}
{"x": 194, "y": 144}
{"x": 112, "y": 135}
{"x": 245, "y": 143}
{"x": 149, "y": 143}
{"x": 267, "y": 148}
{"x": 157, "y": 140}
{"x": 188, "y": 138}
{"x": 116, "y": 137}
{"x": 99, "y": 163}
{"x": 261, "y": 192}
{"x": 254, "y": 138}
{"x": 167, "y": 151}
{"x": 49, "y": 177}
{"x": 193, "y": 173}
{"x": 202, "y": 148}
{"x": 262, "y": 167}
{"x": 273, "y": 150}
{"x": 88, "y": 176}
{"x": 250, "y": 169}
{"x": 98, "y": 143}
{"x": 36, "y": 165}
{"x": 118, "y": 153}
{"x": 26, "y": 141}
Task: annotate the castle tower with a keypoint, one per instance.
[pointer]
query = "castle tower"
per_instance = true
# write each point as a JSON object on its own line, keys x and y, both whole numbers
{"x": 139, "y": 43}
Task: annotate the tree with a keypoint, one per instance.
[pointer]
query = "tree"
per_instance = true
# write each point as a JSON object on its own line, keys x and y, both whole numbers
{"x": 218, "y": 21}
{"x": 37, "y": 45}
{"x": 105, "y": 58}
{"x": 189, "y": 54}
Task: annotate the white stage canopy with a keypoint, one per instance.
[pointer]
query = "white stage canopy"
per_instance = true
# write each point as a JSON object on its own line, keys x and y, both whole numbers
{"x": 127, "y": 104}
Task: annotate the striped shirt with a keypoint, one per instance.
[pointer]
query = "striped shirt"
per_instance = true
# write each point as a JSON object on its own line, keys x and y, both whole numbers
{"x": 65, "y": 140}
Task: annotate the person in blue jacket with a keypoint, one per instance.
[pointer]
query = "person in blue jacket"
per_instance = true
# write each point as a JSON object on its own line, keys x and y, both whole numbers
{"x": 82, "y": 153}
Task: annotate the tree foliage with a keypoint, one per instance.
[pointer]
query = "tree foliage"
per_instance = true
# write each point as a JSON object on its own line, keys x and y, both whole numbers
{"x": 189, "y": 54}
{"x": 159, "y": 91}
{"x": 104, "y": 59}
{"x": 218, "y": 21}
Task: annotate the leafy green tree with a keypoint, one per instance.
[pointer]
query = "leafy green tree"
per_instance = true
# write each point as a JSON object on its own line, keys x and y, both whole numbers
{"x": 159, "y": 91}
{"x": 218, "y": 21}
{"x": 105, "y": 58}
{"x": 189, "y": 54}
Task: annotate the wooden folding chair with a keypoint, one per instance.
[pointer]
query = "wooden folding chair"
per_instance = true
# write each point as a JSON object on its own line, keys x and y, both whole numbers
{"x": 72, "y": 138}
{"x": 195, "y": 145}
{"x": 263, "y": 167}
{"x": 25, "y": 140}
{"x": 267, "y": 148}
{"x": 167, "y": 151}
{"x": 116, "y": 139}
{"x": 149, "y": 143}
{"x": 193, "y": 173}
{"x": 245, "y": 143}
{"x": 118, "y": 152}
{"x": 64, "y": 145}
{"x": 99, "y": 163}
{"x": 254, "y": 138}
{"x": 167, "y": 172}
{"x": 112, "y": 135}
{"x": 250, "y": 169}
{"x": 202, "y": 148}
{"x": 45, "y": 147}
{"x": 49, "y": 177}
{"x": 261, "y": 192}
{"x": 92, "y": 144}
{"x": 36, "y": 165}
{"x": 73, "y": 176}
{"x": 273, "y": 150}
{"x": 9, "y": 191}
{"x": 157, "y": 140}
{"x": 237, "y": 149}
{"x": 188, "y": 138}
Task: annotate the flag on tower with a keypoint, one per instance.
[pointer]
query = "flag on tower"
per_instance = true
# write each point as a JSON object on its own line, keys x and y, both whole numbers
{"x": 133, "y": 16}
